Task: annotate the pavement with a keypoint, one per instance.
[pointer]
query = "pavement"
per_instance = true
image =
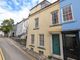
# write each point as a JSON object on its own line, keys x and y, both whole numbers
{"x": 12, "y": 51}
{"x": 34, "y": 54}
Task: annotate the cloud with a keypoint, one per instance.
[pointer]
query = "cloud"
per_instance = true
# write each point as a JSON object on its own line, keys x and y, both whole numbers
{"x": 16, "y": 9}
{"x": 17, "y": 16}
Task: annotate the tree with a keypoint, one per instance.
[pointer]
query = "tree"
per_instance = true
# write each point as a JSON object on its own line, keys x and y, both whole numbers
{"x": 7, "y": 26}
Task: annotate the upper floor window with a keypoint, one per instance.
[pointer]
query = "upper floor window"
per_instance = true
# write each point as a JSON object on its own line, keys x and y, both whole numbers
{"x": 32, "y": 39}
{"x": 67, "y": 13}
{"x": 36, "y": 22}
{"x": 41, "y": 39}
{"x": 55, "y": 17}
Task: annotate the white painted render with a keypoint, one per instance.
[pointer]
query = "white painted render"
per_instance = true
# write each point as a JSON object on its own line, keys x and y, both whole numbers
{"x": 22, "y": 28}
{"x": 1, "y": 33}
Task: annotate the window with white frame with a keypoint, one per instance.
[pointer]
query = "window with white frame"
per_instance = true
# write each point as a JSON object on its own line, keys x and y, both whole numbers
{"x": 32, "y": 38}
{"x": 55, "y": 17}
{"x": 67, "y": 13}
{"x": 36, "y": 22}
{"x": 41, "y": 39}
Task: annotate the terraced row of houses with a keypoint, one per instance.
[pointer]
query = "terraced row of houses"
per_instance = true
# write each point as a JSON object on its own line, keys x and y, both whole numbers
{"x": 20, "y": 29}
{"x": 54, "y": 29}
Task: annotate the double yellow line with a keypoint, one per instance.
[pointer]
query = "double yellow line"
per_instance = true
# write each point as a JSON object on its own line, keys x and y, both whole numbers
{"x": 1, "y": 55}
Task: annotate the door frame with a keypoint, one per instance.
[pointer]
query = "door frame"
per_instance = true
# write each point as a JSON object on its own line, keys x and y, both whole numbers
{"x": 61, "y": 46}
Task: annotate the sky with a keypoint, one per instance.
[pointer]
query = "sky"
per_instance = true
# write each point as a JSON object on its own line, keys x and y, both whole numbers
{"x": 16, "y": 9}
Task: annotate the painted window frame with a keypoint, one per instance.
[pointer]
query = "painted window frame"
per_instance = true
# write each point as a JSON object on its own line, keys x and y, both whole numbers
{"x": 53, "y": 17}
{"x": 32, "y": 38}
{"x": 36, "y": 22}
{"x": 62, "y": 14}
{"x": 41, "y": 40}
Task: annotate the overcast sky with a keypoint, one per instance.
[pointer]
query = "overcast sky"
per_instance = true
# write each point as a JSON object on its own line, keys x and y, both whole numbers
{"x": 16, "y": 9}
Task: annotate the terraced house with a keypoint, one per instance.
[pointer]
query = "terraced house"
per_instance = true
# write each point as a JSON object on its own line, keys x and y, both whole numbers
{"x": 44, "y": 30}
{"x": 21, "y": 29}
{"x": 70, "y": 20}
{"x": 54, "y": 29}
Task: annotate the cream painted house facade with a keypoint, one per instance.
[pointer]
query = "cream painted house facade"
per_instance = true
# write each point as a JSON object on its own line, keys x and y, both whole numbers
{"x": 42, "y": 31}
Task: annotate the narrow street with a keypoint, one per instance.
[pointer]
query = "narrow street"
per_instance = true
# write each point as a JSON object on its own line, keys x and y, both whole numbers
{"x": 11, "y": 51}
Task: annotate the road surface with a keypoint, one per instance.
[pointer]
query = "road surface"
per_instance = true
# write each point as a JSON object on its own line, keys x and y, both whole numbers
{"x": 11, "y": 51}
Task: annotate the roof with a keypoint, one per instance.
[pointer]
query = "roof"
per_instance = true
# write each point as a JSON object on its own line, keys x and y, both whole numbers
{"x": 24, "y": 19}
{"x": 44, "y": 7}
{"x": 39, "y": 4}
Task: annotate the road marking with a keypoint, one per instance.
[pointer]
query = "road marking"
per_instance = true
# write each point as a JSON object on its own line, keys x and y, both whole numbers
{"x": 1, "y": 55}
{"x": 21, "y": 49}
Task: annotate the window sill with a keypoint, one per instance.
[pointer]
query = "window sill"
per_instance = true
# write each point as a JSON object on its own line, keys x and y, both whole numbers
{"x": 54, "y": 25}
{"x": 41, "y": 48}
{"x": 64, "y": 22}
{"x": 35, "y": 28}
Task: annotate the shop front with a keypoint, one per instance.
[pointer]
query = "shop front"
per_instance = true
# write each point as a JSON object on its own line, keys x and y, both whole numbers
{"x": 71, "y": 45}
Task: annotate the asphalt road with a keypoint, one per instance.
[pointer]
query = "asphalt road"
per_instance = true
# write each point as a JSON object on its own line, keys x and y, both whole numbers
{"x": 11, "y": 51}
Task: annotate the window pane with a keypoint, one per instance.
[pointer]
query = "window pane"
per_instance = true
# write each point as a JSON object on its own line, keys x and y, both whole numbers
{"x": 67, "y": 13}
{"x": 32, "y": 39}
{"x": 55, "y": 17}
{"x": 64, "y": 17}
{"x": 41, "y": 37}
{"x": 64, "y": 11}
{"x": 36, "y": 22}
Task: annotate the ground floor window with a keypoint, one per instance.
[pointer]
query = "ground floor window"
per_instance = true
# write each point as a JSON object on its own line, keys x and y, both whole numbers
{"x": 32, "y": 38}
{"x": 41, "y": 39}
{"x": 56, "y": 44}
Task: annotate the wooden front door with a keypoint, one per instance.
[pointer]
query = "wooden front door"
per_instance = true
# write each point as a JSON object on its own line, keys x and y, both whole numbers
{"x": 56, "y": 44}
